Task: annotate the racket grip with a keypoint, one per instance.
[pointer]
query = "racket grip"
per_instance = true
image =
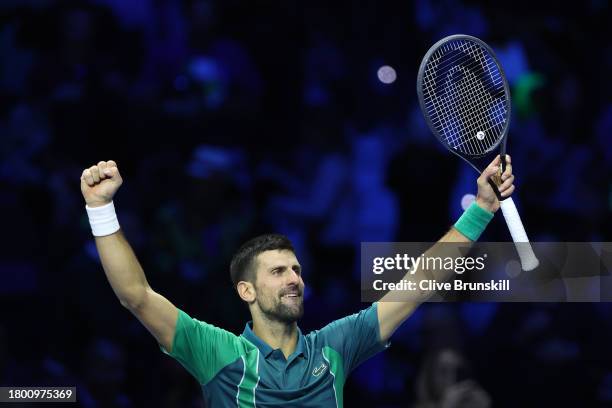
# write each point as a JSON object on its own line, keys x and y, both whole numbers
{"x": 519, "y": 236}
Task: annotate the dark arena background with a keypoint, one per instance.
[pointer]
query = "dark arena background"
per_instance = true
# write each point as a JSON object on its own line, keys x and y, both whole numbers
{"x": 233, "y": 118}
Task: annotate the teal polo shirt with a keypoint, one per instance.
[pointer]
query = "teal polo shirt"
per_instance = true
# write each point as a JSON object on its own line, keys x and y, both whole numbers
{"x": 244, "y": 371}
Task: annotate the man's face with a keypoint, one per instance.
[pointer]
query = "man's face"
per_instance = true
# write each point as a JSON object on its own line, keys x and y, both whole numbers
{"x": 279, "y": 286}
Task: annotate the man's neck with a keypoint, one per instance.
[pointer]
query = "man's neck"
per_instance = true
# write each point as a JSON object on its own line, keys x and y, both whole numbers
{"x": 276, "y": 334}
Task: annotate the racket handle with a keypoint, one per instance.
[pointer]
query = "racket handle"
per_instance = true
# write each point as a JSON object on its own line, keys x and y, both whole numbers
{"x": 519, "y": 236}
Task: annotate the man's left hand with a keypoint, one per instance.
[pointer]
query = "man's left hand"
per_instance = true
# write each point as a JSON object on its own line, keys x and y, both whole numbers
{"x": 486, "y": 197}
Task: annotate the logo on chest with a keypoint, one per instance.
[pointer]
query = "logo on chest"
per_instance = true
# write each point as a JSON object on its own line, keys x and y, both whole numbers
{"x": 317, "y": 371}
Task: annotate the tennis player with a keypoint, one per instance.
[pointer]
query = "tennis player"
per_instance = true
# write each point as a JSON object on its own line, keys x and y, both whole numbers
{"x": 272, "y": 363}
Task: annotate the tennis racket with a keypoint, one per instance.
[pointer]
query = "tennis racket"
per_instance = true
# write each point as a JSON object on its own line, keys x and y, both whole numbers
{"x": 465, "y": 98}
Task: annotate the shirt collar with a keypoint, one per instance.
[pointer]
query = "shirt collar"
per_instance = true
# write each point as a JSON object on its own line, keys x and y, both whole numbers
{"x": 266, "y": 350}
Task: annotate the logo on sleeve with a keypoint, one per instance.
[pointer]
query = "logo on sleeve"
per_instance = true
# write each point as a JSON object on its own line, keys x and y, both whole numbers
{"x": 319, "y": 370}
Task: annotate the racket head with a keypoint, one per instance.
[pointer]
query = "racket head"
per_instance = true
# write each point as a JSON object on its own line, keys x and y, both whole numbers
{"x": 464, "y": 96}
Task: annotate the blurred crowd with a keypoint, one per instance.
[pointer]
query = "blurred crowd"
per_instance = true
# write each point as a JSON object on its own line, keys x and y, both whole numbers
{"x": 229, "y": 119}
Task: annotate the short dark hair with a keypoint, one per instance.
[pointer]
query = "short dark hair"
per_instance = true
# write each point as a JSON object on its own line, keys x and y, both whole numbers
{"x": 241, "y": 267}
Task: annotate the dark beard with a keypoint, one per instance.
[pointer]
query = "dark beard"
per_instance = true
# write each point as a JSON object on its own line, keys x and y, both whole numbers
{"x": 282, "y": 313}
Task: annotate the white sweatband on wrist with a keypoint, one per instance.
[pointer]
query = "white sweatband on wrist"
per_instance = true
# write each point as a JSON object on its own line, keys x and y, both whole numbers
{"x": 103, "y": 220}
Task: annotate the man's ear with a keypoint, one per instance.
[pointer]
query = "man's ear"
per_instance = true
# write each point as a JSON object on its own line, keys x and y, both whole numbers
{"x": 246, "y": 291}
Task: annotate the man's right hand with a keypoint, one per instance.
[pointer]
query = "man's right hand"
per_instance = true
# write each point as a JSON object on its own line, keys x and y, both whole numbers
{"x": 99, "y": 183}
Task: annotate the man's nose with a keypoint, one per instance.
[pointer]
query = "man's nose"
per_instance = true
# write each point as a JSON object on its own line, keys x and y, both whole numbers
{"x": 293, "y": 277}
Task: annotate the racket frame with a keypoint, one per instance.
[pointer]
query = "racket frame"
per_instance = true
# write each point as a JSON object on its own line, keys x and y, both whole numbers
{"x": 502, "y": 140}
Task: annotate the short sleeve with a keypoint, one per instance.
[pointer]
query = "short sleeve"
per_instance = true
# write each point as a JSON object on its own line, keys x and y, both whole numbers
{"x": 356, "y": 337}
{"x": 202, "y": 348}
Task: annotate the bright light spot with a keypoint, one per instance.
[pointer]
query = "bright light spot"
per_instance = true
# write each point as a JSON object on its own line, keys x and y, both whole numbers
{"x": 467, "y": 200}
{"x": 386, "y": 74}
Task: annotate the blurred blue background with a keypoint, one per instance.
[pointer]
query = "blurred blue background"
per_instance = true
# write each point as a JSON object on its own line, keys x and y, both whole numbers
{"x": 229, "y": 119}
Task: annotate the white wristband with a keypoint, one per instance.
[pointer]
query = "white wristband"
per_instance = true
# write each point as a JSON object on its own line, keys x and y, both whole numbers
{"x": 103, "y": 220}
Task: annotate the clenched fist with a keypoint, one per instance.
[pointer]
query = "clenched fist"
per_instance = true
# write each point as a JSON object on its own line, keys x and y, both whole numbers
{"x": 99, "y": 183}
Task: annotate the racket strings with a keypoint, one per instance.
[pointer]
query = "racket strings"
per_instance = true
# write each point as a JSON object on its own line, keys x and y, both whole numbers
{"x": 465, "y": 97}
{"x": 474, "y": 101}
{"x": 465, "y": 106}
{"x": 468, "y": 102}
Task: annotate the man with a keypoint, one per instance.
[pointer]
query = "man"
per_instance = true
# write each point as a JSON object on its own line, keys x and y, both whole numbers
{"x": 272, "y": 364}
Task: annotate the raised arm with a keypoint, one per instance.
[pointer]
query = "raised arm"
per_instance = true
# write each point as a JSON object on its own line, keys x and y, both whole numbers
{"x": 99, "y": 184}
{"x": 392, "y": 313}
